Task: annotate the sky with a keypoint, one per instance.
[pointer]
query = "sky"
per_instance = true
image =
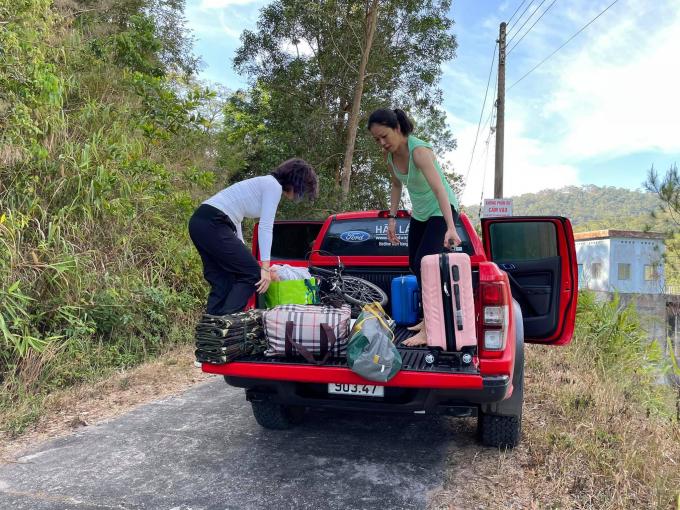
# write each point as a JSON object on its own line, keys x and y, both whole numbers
{"x": 602, "y": 110}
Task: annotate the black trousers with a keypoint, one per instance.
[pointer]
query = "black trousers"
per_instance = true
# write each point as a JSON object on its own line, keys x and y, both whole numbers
{"x": 228, "y": 266}
{"x": 426, "y": 238}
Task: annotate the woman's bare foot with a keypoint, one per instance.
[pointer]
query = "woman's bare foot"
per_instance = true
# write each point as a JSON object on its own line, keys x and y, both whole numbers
{"x": 417, "y": 327}
{"x": 416, "y": 340}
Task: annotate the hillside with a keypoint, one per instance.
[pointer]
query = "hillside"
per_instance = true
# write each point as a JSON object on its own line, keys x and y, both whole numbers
{"x": 592, "y": 207}
{"x": 589, "y": 207}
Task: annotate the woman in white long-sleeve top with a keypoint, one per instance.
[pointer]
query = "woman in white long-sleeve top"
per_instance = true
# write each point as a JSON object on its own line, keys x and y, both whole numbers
{"x": 215, "y": 229}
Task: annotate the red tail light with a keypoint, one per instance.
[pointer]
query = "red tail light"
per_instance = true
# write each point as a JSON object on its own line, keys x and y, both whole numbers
{"x": 492, "y": 293}
{"x": 494, "y": 318}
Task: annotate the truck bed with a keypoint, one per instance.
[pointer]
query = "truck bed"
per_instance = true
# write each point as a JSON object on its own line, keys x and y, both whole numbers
{"x": 413, "y": 359}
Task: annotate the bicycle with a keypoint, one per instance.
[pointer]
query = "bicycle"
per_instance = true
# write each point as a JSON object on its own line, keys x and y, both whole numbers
{"x": 352, "y": 289}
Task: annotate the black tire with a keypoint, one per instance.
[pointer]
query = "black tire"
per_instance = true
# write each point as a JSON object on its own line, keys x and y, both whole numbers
{"x": 501, "y": 425}
{"x": 500, "y": 431}
{"x": 270, "y": 415}
{"x": 360, "y": 292}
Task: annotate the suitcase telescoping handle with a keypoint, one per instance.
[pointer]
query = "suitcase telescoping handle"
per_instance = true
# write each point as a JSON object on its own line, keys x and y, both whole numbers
{"x": 456, "y": 293}
{"x": 452, "y": 249}
{"x": 327, "y": 340}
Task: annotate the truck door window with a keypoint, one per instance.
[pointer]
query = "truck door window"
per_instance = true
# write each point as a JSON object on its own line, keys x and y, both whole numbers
{"x": 523, "y": 241}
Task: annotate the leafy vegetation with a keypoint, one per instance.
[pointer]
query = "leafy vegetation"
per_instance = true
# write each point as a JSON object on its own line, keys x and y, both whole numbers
{"x": 667, "y": 213}
{"x": 303, "y": 61}
{"x": 589, "y": 207}
{"x": 611, "y": 427}
{"x": 100, "y": 151}
{"x": 599, "y": 431}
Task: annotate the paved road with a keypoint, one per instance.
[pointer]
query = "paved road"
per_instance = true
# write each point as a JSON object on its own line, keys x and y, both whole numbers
{"x": 203, "y": 450}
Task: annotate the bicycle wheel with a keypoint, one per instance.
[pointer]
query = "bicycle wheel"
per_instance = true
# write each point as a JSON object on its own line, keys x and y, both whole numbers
{"x": 362, "y": 292}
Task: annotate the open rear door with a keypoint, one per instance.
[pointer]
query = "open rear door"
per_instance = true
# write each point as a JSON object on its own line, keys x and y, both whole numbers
{"x": 538, "y": 254}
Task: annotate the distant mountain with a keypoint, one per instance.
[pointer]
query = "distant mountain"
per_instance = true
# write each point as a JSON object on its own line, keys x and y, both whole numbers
{"x": 588, "y": 207}
{"x": 599, "y": 208}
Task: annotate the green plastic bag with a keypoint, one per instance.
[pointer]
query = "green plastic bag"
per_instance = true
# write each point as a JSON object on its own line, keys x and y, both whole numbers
{"x": 371, "y": 352}
{"x": 292, "y": 292}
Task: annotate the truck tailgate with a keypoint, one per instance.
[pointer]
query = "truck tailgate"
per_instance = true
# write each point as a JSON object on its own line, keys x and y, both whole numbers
{"x": 281, "y": 370}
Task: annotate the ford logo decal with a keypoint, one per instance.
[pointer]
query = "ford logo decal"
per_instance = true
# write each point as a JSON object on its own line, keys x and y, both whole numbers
{"x": 355, "y": 236}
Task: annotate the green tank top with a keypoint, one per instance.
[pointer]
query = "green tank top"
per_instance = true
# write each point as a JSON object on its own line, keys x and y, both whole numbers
{"x": 423, "y": 199}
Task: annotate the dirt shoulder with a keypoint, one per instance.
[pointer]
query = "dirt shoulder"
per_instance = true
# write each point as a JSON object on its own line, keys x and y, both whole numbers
{"x": 584, "y": 446}
{"x": 84, "y": 405}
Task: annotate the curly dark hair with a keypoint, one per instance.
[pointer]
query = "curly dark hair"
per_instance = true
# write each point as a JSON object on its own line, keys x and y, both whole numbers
{"x": 297, "y": 175}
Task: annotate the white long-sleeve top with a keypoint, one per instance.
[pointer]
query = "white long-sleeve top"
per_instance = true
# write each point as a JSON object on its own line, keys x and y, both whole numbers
{"x": 253, "y": 198}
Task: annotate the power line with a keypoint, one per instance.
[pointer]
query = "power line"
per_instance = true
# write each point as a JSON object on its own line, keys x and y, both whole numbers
{"x": 520, "y": 16}
{"x": 486, "y": 167}
{"x": 563, "y": 45}
{"x": 493, "y": 108}
{"x": 481, "y": 114}
{"x": 518, "y": 8}
{"x": 515, "y": 32}
{"x": 532, "y": 26}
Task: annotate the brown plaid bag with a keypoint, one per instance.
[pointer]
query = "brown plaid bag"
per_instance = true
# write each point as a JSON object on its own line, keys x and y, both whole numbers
{"x": 307, "y": 330}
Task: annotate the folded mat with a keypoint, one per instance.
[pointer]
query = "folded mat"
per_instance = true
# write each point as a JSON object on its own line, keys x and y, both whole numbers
{"x": 223, "y": 338}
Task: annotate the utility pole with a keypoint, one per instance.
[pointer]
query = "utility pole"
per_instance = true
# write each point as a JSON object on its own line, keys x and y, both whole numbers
{"x": 500, "y": 114}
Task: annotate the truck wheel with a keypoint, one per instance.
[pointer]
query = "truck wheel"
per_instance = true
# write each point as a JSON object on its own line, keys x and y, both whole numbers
{"x": 500, "y": 431}
{"x": 500, "y": 425}
{"x": 277, "y": 416}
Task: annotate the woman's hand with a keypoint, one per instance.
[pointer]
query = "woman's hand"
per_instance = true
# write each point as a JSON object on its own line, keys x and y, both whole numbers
{"x": 392, "y": 231}
{"x": 451, "y": 238}
{"x": 265, "y": 280}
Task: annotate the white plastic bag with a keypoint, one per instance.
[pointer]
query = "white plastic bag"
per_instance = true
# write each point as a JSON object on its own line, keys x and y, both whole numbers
{"x": 286, "y": 272}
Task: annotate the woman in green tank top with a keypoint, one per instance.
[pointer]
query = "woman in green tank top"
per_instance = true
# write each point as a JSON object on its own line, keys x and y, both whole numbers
{"x": 434, "y": 204}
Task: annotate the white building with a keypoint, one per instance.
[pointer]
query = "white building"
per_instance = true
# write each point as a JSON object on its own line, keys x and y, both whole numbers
{"x": 626, "y": 261}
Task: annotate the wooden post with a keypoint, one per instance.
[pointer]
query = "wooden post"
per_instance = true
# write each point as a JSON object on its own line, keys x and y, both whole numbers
{"x": 500, "y": 118}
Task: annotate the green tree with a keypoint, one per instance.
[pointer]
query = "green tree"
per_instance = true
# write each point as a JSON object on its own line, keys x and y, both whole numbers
{"x": 667, "y": 189}
{"x": 304, "y": 58}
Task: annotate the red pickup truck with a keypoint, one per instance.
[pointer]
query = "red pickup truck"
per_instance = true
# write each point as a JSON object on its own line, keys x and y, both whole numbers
{"x": 527, "y": 265}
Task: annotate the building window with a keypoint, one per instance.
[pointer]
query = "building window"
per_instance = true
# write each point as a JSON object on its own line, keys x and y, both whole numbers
{"x": 651, "y": 272}
{"x": 581, "y": 277}
{"x": 596, "y": 270}
{"x": 624, "y": 271}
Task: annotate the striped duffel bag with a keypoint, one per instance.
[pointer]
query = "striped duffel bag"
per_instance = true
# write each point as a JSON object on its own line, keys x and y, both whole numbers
{"x": 315, "y": 332}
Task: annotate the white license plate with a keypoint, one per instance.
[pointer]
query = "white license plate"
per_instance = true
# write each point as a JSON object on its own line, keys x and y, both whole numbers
{"x": 358, "y": 390}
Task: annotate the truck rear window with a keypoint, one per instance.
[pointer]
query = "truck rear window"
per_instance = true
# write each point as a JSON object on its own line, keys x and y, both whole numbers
{"x": 368, "y": 237}
{"x": 293, "y": 241}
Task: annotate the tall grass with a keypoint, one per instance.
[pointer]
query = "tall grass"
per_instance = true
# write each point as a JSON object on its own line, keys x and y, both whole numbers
{"x": 599, "y": 431}
{"x": 100, "y": 160}
{"x": 608, "y": 435}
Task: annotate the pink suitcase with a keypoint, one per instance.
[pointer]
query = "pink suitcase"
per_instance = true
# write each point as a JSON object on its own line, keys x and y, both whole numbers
{"x": 448, "y": 304}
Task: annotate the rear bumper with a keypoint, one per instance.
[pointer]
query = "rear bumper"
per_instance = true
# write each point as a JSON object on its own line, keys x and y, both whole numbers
{"x": 408, "y": 391}
{"x": 327, "y": 374}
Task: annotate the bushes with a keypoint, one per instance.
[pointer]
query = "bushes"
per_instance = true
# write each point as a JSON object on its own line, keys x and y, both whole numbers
{"x": 100, "y": 157}
{"x": 608, "y": 337}
{"x": 605, "y": 433}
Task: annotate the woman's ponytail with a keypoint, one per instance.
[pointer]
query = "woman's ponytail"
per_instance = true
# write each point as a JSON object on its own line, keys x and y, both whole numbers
{"x": 391, "y": 119}
{"x": 405, "y": 123}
